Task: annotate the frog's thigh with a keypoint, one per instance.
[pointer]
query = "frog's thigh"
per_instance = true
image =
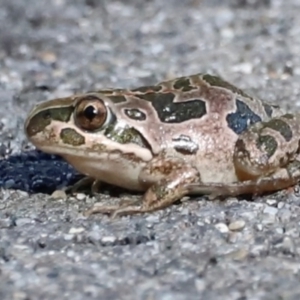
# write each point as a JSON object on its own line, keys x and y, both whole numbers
{"x": 167, "y": 179}
{"x": 265, "y": 147}
{"x": 161, "y": 167}
{"x": 280, "y": 179}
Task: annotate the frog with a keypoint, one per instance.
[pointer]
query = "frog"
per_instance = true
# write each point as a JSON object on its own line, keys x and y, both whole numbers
{"x": 190, "y": 135}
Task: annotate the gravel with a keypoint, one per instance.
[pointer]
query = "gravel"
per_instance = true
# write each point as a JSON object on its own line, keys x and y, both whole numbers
{"x": 237, "y": 249}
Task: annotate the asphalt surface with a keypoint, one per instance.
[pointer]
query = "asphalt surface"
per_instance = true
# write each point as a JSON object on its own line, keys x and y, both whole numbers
{"x": 238, "y": 249}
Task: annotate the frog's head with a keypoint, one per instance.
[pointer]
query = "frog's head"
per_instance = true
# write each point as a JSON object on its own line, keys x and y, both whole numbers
{"x": 83, "y": 125}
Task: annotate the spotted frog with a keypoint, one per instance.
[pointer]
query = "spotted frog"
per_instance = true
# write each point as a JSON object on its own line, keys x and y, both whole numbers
{"x": 191, "y": 135}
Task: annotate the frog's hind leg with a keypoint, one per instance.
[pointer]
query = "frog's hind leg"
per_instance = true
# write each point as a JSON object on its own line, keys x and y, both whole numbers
{"x": 266, "y": 158}
{"x": 281, "y": 179}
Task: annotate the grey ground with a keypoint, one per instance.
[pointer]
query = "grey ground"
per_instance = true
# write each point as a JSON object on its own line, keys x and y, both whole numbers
{"x": 236, "y": 249}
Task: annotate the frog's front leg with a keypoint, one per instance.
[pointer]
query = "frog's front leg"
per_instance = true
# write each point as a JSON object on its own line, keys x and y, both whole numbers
{"x": 90, "y": 182}
{"x": 166, "y": 180}
{"x": 266, "y": 158}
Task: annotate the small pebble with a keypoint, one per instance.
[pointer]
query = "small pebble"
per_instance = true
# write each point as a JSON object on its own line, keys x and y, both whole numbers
{"x": 245, "y": 68}
{"x": 239, "y": 254}
{"x": 23, "y": 221}
{"x": 75, "y": 230}
{"x": 9, "y": 183}
{"x": 20, "y": 296}
{"x": 259, "y": 249}
{"x": 249, "y": 215}
{"x": 271, "y": 202}
{"x": 68, "y": 237}
{"x": 284, "y": 215}
{"x": 237, "y": 225}
{"x": 222, "y": 227}
{"x": 231, "y": 201}
{"x": 59, "y": 194}
{"x": 200, "y": 285}
{"x": 152, "y": 218}
{"x": 259, "y": 227}
{"x": 279, "y": 230}
{"x": 232, "y": 237}
{"x": 6, "y": 223}
{"x": 80, "y": 196}
{"x": 288, "y": 245}
{"x": 47, "y": 57}
{"x": 108, "y": 239}
{"x": 268, "y": 219}
{"x": 270, "y": 210}
{"x": 292, "y": 232}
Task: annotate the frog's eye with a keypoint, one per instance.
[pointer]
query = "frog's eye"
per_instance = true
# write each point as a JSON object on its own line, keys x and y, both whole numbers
{"x": 91, "y": 114}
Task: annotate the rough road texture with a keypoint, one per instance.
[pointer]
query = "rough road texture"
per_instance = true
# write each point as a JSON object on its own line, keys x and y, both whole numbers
{"x": 236, "y": 249}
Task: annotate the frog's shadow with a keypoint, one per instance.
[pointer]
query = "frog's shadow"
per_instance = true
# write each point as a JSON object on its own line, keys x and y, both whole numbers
{"x": 37, "y": 172}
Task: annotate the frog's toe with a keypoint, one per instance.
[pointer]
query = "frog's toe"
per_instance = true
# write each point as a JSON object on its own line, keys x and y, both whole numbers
{"x": 127, "y": 206}
{"x": 100, "y": 209}
{"x": 84, "y": 183}
{"x": 128, "y": 210}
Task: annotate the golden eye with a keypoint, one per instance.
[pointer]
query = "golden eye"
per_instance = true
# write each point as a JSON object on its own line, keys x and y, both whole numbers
{"x": 90, "y": 113}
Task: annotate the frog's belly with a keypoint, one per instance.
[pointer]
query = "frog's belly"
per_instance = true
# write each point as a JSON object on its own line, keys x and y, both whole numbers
{"x": 217, "y": 172}
{"x": 117, "y": 172}
{"x": 214, "y": 158}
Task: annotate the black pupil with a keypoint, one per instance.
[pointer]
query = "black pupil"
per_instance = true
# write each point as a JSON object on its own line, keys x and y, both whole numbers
{"x": 90, "y": 112}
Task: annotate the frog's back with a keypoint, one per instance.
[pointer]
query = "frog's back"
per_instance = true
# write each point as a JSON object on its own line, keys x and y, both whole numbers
{"x": 199, "y": 102}
{"x": 198, "y": 117}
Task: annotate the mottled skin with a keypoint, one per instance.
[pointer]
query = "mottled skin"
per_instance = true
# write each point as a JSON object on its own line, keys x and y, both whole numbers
{"x": 195, "y": 134}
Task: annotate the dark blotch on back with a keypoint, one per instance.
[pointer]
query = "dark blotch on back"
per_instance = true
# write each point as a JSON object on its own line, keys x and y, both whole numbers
{"x": 41, "y": 120}
{"x": 184, "y": 84}
{"x": 219, "y": 82}
{"x": 135, "y": 114}
{"x": 170, "y": 112}
{"x": 282, "y": 127}
{"x": 267, "y": 143}
{"x": 240, "y": 120}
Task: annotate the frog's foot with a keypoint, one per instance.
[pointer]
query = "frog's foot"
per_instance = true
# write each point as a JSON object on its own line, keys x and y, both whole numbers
{"x": 84, "y": 183}
{"x": 281, "y": 179}
{"x": 129, "y": 206}
{"x": 157, "y": 197}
